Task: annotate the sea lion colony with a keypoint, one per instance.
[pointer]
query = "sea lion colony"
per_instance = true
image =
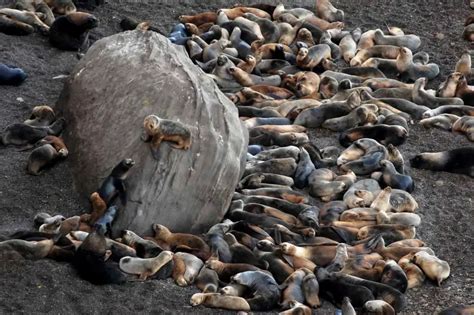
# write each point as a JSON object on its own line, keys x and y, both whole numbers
{"x": 276, "y": 249}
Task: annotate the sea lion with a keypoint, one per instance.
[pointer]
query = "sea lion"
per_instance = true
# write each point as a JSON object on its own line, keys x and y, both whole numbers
{"x": 36, "y": 7}
{"x": 309, "y": 58}
{"x": 278, "y": 153}
{"x": 145, "y": 268}
{"x": 365, "y": 162}
{"x": 182, "y": 240}
{"x": 292, "y": 289}
{"x": 266, "y": 292}
{"x": 390, "y": 177}
{"x": 114, "y": 185}
{"x": 104, "y": 224}
{"x": 61, "y": 7}
{"x": 394, "y": 276}
{"x": 296, "y": 308}
{"x": 358, "y": 116}
{"x": 91, "y": 261}
{"x": 20, "y": 134}
{"x": 45, "y": 218}
{"x": 310, "y": 287}
{"x": 258, "y": 180}
{"x": 186, "y": 268}
{"x": 315, "y": 117}
{"x": 307, "y": 85}
{"x": 225, "y": 271}
{"x": 200, "y": 18}
{"x": 433, "y": 267}
{"x": 144, "y": 248}
{"x": 207, "y": 280}
{"x": 422, "y": 97}
{"x": 408, "y": 70}
{"x": 459, "y": 110}
{"x": 468, "y": 33}
{"x": 458, "y": 310}
{"x": 304, "y": 169}
{"x": 414, "y": 274}
{"x": 361, "y": 193}
{"x": 325, "y": 10}
{"x": 17, "y": 21}
{"x": 41, "y": 116}
{"x": 455, "y": 161}
{"x": 130, "y": 24}
{"x": 16, "y": 249}
{"x": 464, "y": 125}
{"x": 10, "y": 75}
{"x": 246, "y": 79}
{"x": 269, "y": 30}
{"x": 465, "y": 92}
{"x": 378, "y": 307}
{"x": 412, "y": 42}
{"x": 283, "y": 166}
{"x": 385, "y": 134}
{"x": 464, "y": 65}
{"x": 216, "y": 300}
{"x": 281, "y": 193}
{"x": 348, "y": 48}
{"x": 378, "y": 51}
{"x": 43, "y": 156}
{"x": 157, "y": 129}
{"x": 248, "y": 64}
{"x": 71, "y": 31}
{"x": 324, "y": 183}
{"x": 235, "y": 12}
{"x": 391, "y": 232}
{"x": 346, "y": 307}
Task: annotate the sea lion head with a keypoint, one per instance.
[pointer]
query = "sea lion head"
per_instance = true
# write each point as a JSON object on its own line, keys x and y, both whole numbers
{"x": 197, "y": 299}
{"x": 287, "y": 248}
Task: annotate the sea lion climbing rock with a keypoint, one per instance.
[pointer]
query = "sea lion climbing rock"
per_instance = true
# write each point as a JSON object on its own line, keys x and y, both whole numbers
{"x": 106, "y": 127}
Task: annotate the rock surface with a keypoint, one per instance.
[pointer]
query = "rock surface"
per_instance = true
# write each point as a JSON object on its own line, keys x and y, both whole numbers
{"x": 121, "y": 80}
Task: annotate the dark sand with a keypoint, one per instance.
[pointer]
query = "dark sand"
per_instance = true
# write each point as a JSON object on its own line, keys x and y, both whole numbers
{"x": 446, "y": 204}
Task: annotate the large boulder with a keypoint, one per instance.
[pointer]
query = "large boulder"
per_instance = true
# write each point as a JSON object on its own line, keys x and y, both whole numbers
{"x": 122, "y": 79}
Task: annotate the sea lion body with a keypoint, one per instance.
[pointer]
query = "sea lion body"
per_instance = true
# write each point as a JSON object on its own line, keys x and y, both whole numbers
{"x": 17, "y": 249}
{"x": 455, "y": 161}
{"x": 42, "y": 157}
{"x": 145, "y": 268}
{"x": 71, "y": 32}
{"x": 41, "y": 116}
{"x": 465, "y": 125}
{"x": 22, "y": 134}
{"x": 113, "y": 186}
{"x": 266, "y": 292}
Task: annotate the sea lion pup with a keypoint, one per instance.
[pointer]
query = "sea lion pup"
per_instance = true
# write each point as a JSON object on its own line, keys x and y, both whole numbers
{"x": 433, "y": 267}
{"x": 348, "y": 48}
{"x": 361, "y": 193}
{"x": 390, "y": 177}
{"x": 358, "y": 116}
{"x": 183, "y": 241}
{"x": 145, "y": 248}
{"x": 315, "y": 117}
{"x": 157, "y": 129}
{"x": 408, "y": 70}
{"x": 307, "y": 85}
{"x": 265, "y": 290}
{"x": 114, "y": 185}
{"x": 41, "y": 116}
{"x": 225, "y": 271}
{"x": 245, "y": 79}
{"x": 325, "y": 184}
{"x": 394, "y": 276}
{"x": 459, "y": 110}
{"x": 248, "y": 64}
{"x": 465, "y": 125}
{"x": 385, "y": 134}
{"x": 216, "y": 300}
{"x": 412, "y": 42}
{"x": 130, "y": 24}
{"x": 379, "y": 51}
{"x": 464, "y": 91}
{"x": 10, "y": 75}
{"x": 61, "y": 7}
{"x": 281, "y": 193}
{"x": 390, "y": 232}
{"x": 454, "y": 161}
{"x": 200, "y": 18}
{"x": 20, "y": 134}
{"x": 20, "y": 20}
{"x": 207, "y": 280}
{"x": 259, "y": 180}
{"x": 71, "y": 32}
{"x": 464, "y": 65}
{"x": 442, "y": 121}
{"x": 43, "y": 156}
{"x": 145, "y": 268}
{"x": 414, "y": 274}
{"x": 283, "y": 166}
{"x": 378, "y": 307}
{"x": 309, "y": 58}
{"x": 92, "y": 264}
{"x": 325, "y": 10}
{"x": 422, "y": 97}
{"x": 16, "y": 249}
{"x": 458, "y": 310}
{"x": 292, "y": 289}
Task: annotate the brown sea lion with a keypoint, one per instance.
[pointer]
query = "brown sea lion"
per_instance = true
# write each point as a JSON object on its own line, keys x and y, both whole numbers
{"x": 41, "y": 116}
